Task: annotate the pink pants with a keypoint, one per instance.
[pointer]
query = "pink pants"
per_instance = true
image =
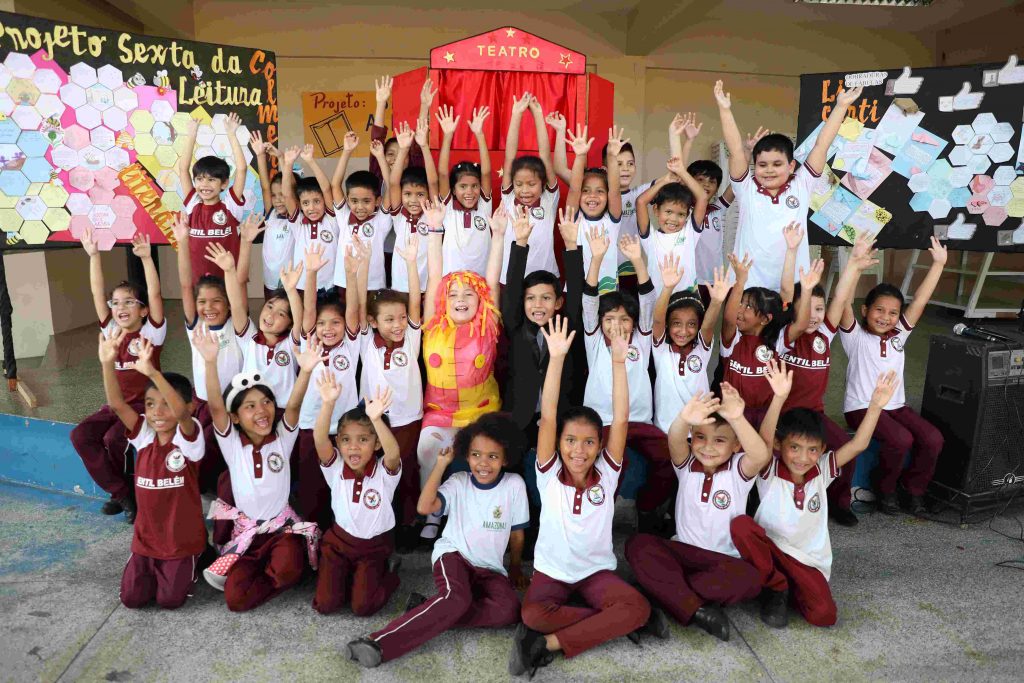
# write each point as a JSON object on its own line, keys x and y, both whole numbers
{"x": 354, "y": 571}
{"x": 682, "y": 577}
{"x": 168, "y": 582}
{"x": 467, "y": 597}
{"x": 616, "y": 608}
{"x": 102, "y": 444}
{"x": 899, "y": 431}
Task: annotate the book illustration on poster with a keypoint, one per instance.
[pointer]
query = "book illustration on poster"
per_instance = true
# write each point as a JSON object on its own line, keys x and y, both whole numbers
{"x": 329, "y": 133}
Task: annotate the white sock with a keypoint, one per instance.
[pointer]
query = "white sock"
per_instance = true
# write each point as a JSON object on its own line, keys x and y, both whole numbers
{"x": 432, "y": 526}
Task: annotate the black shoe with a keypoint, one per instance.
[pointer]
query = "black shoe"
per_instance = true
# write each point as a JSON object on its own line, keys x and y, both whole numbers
{"x": 365, "y": 652}
{"x": 657, "y": 624}
{"x": 414, "y": 601}
{"x": 843, "y": 516}
{"x": 775, "y": 608}
{"x": 712, "y": 619}
{"x": 529, "y": 651}
{"x": 888, "y": 504}
{"x": 394, "y": 564}
{"x": 406, "y": 539}
{"x": 112, "y": 507}
{"x": 910, "y": 503}
{"x": 130, "y": 508}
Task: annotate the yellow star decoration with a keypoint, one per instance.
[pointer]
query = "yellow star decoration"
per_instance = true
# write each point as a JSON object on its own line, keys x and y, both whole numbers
{"x": 449, "y": 57}
{"x": 566, "y": 60}
{"x": 510, "y": 32}
{"x": 501, "y": 172}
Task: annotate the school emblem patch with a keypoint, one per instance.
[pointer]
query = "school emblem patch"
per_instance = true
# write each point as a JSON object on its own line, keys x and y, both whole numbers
{"x": 814, "y": 504}
{"x": 175, "y": 461}
{"x": 763, "y": 353}
{"x": 371, "y": 499}
{"x": 367, "y": 229}
{"x": 632, "y": 353}
{"x": 220, "y": 217}
{"x": 595, "y": 494}
{"x": 281, "y": 358}
{"x": 896, "y": 344}
{"x": 399, "y": 359}
{"x": 480, "y": 223}
{"x": 326, "y": 236}
{"x": 133, "y": 346}
{"x": 422, "y": 228}
{"x": 275, "y": 462}
{"x": 537, "y": 212}
{"x": 721, "y": 499}
{"x": 819, "y": 345}
{"x": 497, "y": 512}
{"x": 694, "y": 364}
{"x": 792, "y": 202}
{"x": 716, "y": 224}
{"x": 341, "y": 363}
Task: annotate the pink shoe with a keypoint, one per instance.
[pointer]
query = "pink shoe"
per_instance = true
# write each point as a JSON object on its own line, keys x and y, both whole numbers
{"x": 217, "y": 573}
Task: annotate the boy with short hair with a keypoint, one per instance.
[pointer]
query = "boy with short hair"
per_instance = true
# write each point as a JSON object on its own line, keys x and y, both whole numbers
{"x": 777, "y": 193}
{"x": 210, "y": 218}
{"x": 310, "y": 216}
{"x": 407, "y": 190}
{"x": 278, "y": 239}
{"x": 627, "y": 222}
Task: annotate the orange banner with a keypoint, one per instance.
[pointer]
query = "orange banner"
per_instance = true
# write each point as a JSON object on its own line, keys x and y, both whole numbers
{"x": 328, "y": 115}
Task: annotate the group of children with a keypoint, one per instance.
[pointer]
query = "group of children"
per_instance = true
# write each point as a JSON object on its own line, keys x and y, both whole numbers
{"x": 350, "y": 418}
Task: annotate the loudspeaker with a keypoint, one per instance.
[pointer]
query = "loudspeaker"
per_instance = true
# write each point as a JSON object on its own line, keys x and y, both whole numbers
{"x": 974, "y": 393}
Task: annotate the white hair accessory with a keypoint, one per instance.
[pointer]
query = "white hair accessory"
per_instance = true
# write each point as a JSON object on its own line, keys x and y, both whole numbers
{"x": 241, "y": 382}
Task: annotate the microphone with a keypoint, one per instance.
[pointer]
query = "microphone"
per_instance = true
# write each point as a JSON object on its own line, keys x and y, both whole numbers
{"x": 975, "y": 333}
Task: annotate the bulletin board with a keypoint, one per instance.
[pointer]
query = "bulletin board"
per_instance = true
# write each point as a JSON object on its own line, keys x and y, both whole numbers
{"x": 92, "y": 123}
{"x": 935, "y": 151}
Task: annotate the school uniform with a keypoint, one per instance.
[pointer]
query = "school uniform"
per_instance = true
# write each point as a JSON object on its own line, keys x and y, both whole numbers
{"x": 355, "y": 550}
{"x": 314, "y": 496}
{"x": 809, "y": 359}
{"x": 399, "y": 369}
{"x": 275, "y": 362}
{"x": 404, "y": 225}
{"x": 627, "y": 224}
{"x": 100, "y": 439}
{"x": 169, "y": 534}
{"x": 608, "y": 276}
{"x": 467, "y": 235}
{"x": 574, "y": 555}
{"x": 473, "y": 589}
{"x": 680, "y": 373}
{"x": 212, "y": 224}
{"x": 700, "y": 563}
{"x": 788, "y": 541}
{"x": 709, "y": 252}
{"x": 658, "y": 245}
{"x": 543, "y": 213}
{"x": 278, "y": 249}
{"x": 260, "y": 484}
{"x": 309, "y": 234}
{"x": 643, "y": 437}
{"x": 372, "y": 233}
{"x": 900, "y": 428}
{"x": 762, "y": 218}
{"x": 746, "y": 359}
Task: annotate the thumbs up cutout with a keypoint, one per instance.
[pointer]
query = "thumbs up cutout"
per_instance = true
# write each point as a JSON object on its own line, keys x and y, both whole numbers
{"x": 965, "y": 99}
{"x": 959, "y": 229}
{"x": 905, "y": 84}
{"x": 1012, "y": 73}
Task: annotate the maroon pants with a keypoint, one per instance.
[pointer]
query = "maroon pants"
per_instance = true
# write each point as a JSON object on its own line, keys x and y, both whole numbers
{"x": 616, "y": 608}
{"x": 839, "y": 490}
{"x": 313, "y": 502}
{"x": 682, "y": 577}
{"x": 808, "y": 588}
{"x": 102, "y": 444}
{"x": 652, "y": 445}
{"x": 408, "y": 493}
{"x": 168, "y": 582}
{"x": 899, "y": 431}
{"x": 354, "y": 571}
{"x": 273, "y": 563}
{"x": 467, "y": 597}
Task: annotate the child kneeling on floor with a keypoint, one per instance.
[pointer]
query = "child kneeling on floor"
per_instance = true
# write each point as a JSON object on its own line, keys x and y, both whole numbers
{"x": 487, "y": 511}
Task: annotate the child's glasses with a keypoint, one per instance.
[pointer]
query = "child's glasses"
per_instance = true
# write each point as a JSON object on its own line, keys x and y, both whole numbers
{"x": 123, "y": 303}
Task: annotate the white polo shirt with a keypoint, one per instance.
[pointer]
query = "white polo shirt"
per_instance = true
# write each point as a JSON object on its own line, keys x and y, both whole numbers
{"x": 397, "y": 368}
{"x": 341, "y": 359}
{"x": 362, "y": 504}
{"x": 276, "y": 364}
{"x": 467, "y": 236}
{"x": 481, "y": 518}
{"x": 404, "y": 225}
{"x": 608, "y": 277}
{"x": 709, "y": 252}
{"x": 795, "y": 516}
{"x": 679, "y": 376}
{"x": 322, "y": 233}
{"x": 542, "y": 238}
{"x": 870, "y": 356}
{"x": 658, "y": 245}
{"x": 278, "y": 248}
{"x": 706, "y": 504}
{"x": 372, "y": 233}
{"x": 761, "y": 220}
{"x": 229, "y": 358}
{"x": 598, "y": 392}
{"x": 575, "y": 539}
{"x": 260, "y": 477}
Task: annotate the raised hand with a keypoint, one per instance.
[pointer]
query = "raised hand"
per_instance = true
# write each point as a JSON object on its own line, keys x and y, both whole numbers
{"x": 327, "y": 385}
{"x": 732, "y": 404}
{"x": 307, "y": 153}
{"x": 567, "y": 226}
{"x": 110, "y": 346}
{"x": 741, "y": 268}
{"x": 476, "y": 124}
{"x": 256, "y": 143}
{"x": 558, "y": 336}
{"x": 723, "y": 98}
{"x": 404, "y": 134}
{"x": 629, "y": 245}
{"x": 597, "y": 238}
{"x": 534, "y": 105}
{"x": 844, "y": 98}
{"x": 315, "y": 258}
{"x": 355, "y": 255}
{"x": 349, "y": 142}
{"x": 938, "y": 251}
{"x": 692, "y": 127}
{"x": 290, "y": 155}
{"x": 698, "y": 409}
{"x": 446, "y": 119}
{"x": 885, "y": 387}
{"x": 671, "y": 271}
{"x": 676, "y": 126}
{"x": 378, "y": 405}
{"x": 522, "y": 225}
{"x": 433, "y": 212}
{"x": 231, "y": 123}
{"x": 556, "y": 121}
{"x": 251, "y": 227}
{"x": 793, "y": 234}
{"x": 779, "y": 377}
{"x": 207, "y": 343}
{"x": 522, "y": 104}
{"x": 752, "y": 139}
{"x": 445, "y": 457}
{"x": 719, "y": 289}
{"x": 422, "y": 131}
{"x": 216, "y": 253}
{"x": 499, "y": 220}
{"x": 90, "y": 246}
{"x": 179, "y": 227}
{"x": 312, "y": 356}
{"x": 675, "y": 166}
{"x": 141, "y": 246}
{"x": 615, "y": 140}
{"x": 620, "y": 343}
{"x": 383, "y": 87}
{"x": 290, "y": 276}
{"x": 144, "y": 358}
{"x": 427, "y": 92}
{"x": 376, "y": 149}
{"x": 411, "y": 251}
{"x": 810, "y": 279}
{"x": 579, "y": 142}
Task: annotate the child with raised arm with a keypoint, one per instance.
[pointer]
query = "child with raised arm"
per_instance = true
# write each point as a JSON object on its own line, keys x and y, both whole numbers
{"x": 408, "y": 190}
{"x": 100, "y": 439}
{"x": 625, "y": 161}
{"x": 278, "y": 238}
{"x": 169, "y": 534}
{"x": 530, "y": 181}
{"x": 699, "y": 569}
{"x": 380, "y": 164}
{"x": 577, "y": 473}
{"x": 361, "y": 215}
{"x": 487, "y": 512}
{"x": 875, "y": 346}
{"x": 269, "y": 544}
{"x": 466, "y": 193}
{"x": 210, "y": 218}
{"x": 787, "y": 541}
{"x": 310, "y": 214}
{"x": 357, "y": 567}
{"x": 776, "y": 193}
